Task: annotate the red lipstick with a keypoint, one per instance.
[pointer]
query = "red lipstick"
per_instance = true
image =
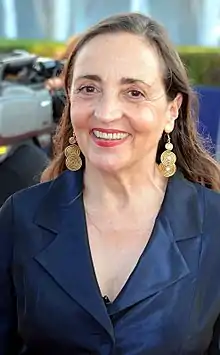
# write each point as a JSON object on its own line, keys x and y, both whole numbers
{"x": 108, "y": 138}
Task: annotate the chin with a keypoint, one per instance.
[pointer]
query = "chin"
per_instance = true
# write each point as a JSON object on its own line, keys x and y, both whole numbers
{"x": 110, "y": 166}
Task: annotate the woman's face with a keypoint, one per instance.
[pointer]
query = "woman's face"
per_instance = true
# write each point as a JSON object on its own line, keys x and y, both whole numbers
{"x": 119, "y": 108}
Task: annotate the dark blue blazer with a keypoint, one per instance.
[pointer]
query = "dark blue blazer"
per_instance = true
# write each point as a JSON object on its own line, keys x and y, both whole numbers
{"x": 50, "y": 303}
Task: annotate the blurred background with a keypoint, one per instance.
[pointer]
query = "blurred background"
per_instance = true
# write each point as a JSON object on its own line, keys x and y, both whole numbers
{"x": 189, "y": 22}
{"x": 41, "y": 29}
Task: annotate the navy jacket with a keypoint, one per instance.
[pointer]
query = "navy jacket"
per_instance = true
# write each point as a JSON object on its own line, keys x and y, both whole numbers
{"x": 50, "y": 303}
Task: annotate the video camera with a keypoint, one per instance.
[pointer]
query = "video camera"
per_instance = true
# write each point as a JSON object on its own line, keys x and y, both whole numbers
{"x": 27, "y": 108}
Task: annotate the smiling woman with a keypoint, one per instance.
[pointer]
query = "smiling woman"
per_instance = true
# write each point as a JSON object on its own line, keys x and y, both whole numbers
{"x": 123, "y": 240}
{"x": 123, "y": 91}
{"x": 158, "y": 76}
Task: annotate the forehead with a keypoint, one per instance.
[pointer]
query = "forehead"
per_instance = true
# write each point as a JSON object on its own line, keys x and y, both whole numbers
{"x": 118, "y": 55}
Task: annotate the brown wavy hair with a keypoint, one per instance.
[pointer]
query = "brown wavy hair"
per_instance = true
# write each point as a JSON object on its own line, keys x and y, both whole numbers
{"x": 193, "y": 157}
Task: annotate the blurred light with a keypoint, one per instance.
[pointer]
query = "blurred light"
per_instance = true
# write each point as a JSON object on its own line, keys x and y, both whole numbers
{"x": 3, "y": 150}
{"x": 10, "y": 25}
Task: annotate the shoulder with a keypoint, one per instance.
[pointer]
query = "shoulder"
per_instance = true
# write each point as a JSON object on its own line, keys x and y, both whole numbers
{"x": 21, "y": 206}
{"x": 57, "y": 192}
{"x": 196, "y": 206}
{"x": 210, "y": 201}
{"x": 32, "y": 195}
{"x": 203, "y": 199}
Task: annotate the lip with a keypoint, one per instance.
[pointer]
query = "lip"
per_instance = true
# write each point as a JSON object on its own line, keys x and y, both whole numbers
{"x": 108, "y": 130}
{"x": 105, "y": 143}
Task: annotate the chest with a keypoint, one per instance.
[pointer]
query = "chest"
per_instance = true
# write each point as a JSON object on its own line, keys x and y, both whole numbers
{"x": 169, "y": 319}
{"x": 116, "y": 250}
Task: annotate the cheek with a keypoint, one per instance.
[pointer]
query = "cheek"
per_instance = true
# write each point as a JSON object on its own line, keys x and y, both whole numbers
{"x": 150, "y": 118}
{"x": 80, "y": 114}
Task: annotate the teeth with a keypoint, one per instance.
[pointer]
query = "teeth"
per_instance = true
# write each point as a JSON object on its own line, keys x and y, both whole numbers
{"x": 109, "y": 136}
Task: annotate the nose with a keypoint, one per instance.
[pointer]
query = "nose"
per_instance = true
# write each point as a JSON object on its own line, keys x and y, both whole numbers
{"x": 108, "y": 108}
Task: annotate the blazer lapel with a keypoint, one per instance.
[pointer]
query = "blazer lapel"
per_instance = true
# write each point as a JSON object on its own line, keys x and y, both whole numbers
{"x": 67, "y": 258}
{"x": 162, "y": 263}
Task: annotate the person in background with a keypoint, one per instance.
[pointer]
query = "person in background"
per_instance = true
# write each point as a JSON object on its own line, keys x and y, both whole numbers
{"x": 56, "y": 84}
{"x": 22, "y": 169}
{"x": 118, "y": 250}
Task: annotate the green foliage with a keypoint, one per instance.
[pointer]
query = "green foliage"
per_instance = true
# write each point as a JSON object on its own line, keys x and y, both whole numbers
{"x": 39, "y": 47}
{"x": 202, "y": 63}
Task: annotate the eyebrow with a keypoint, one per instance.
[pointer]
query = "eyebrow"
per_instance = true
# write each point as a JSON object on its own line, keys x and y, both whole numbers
{"x": 123, "y": 81}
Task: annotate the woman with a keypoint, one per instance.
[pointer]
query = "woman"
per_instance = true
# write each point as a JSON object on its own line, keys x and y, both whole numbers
{"x": 119, "y": 251}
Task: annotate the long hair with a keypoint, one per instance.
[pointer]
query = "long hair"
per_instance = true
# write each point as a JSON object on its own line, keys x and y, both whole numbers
{"x": 193, "y": 158}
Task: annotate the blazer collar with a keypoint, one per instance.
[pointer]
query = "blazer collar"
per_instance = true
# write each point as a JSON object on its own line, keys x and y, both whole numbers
{"x": 181, "y": 206}
{"x": 63, "y": 192}
{"x": 67, "y": 258}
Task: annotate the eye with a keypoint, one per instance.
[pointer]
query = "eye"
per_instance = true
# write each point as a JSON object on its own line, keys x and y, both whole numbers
{"x": 88, "y": 89}
{"x": 135, "y": 94}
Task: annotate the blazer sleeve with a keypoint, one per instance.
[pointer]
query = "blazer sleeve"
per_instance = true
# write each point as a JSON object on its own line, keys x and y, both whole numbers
{"x": 9, "y": 341}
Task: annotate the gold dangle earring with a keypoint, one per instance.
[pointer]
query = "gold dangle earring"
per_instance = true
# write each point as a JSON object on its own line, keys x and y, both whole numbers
{"x": 168, "y": 159}
{"x": 72, "y": 154}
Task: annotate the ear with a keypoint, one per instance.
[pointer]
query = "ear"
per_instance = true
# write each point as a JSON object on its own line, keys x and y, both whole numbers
{"x": 175, "y": 106}
{"x": 173, "y": 112}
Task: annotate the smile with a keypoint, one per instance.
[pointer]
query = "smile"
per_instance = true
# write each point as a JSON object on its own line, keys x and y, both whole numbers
{"x": 109, "y": 135}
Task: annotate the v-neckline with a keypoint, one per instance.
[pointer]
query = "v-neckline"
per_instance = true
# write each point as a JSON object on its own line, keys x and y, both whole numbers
{"x": 141, "y": 256}
{"x": 66, "y": 258}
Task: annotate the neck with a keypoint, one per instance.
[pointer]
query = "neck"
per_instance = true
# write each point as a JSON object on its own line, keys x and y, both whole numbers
{"x": 124, "y": 187}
